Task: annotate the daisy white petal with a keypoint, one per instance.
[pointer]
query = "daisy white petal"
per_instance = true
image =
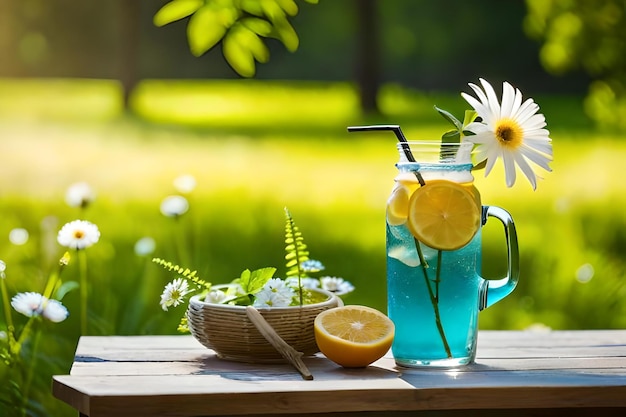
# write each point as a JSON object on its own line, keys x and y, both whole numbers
{"x": 28, "y": 303}
{"x": 55, "y": 311}
{"x": 18, "y": 236}
{"x": 513, "y": 131}
{"x": 79, "y": 194}
{"x": 509, "y": 168}
{"x": 492, "y": 99}
{"x": 78, "y": 234}
{"x": 536, "y": 157}
{"x": 508, "y": 98}
{"x": 526, "y": 169}
{"x": 174, "y": 293}
{"x": 174, "y": 206}
{"x": 337, "y": 285}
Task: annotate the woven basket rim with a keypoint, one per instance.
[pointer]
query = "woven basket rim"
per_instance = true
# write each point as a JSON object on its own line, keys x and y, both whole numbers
{"x": 330, "y": 301}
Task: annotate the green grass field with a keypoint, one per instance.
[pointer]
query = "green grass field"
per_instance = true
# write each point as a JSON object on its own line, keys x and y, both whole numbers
{"x": 255, "y": 147}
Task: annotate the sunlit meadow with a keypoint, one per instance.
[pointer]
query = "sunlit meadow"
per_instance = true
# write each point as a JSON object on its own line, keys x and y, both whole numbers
{"x": 257, "y": 147}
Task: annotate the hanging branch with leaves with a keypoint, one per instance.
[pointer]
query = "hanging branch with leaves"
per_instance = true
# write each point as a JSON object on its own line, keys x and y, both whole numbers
{"x": 240, "y": 25}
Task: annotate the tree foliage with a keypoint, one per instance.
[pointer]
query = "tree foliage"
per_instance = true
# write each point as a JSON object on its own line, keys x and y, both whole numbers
{"x": 587, "y": 35}
{"x": 242, "y": 26}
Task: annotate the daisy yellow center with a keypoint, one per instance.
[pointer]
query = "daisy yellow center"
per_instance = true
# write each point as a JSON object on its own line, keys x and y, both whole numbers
{"x": 79, "y": 234}
{"x": 509, "y": 133}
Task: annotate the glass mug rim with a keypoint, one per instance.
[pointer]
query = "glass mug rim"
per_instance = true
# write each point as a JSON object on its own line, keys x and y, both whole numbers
{"x": 431, "y": 152}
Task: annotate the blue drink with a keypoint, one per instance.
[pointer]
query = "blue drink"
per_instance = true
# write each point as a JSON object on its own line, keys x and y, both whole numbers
{"x": 418, "y": 339}
{"x": 435, "y": 292}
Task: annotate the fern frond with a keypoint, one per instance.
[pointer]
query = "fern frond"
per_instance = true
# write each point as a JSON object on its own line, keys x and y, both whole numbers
{"x": 184, "y": 272}
{"x": 296, "y": 251}
{"x": 183, "y": 326}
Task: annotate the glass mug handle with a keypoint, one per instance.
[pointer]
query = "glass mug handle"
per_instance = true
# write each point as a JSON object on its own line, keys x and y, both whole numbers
{"x": 493, "y": 291}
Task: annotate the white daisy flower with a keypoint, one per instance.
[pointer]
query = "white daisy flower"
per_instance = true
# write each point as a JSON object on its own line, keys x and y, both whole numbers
{"x": 216, "y": 297}
{"x": 337, "y": 285}
{"x": 18, "y": 236}
{"x": 174, "y": 293}
{"x": 174, "y": 206}
{"x": 78, "y": 234}
{"x": 54, "y": 311}
{"x": 307, "y": 282}
{"x": 3, "y": 267}
{"x": 513, "y": 131}
{"x": 185, "y": 183}
{"x": 312, "y": 266}
{"x": 145, "y": 246}
{"x": 79, "y": 194}
{"x": 28, "y": 303}
{"x": 275, "y": 293}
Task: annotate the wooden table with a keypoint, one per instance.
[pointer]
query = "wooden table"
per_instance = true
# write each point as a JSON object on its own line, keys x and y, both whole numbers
{"x": 516, "y": 373}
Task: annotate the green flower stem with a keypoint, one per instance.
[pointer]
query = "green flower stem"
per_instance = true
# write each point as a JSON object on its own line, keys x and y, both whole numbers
{"x": 7, "y": 314}
{"x": 434, "y": 298}
{"x": 84, "y": 293}
{"x": 31, "y": 369}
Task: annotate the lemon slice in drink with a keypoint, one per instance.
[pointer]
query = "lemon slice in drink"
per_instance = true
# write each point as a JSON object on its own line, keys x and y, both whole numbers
{"x": 444, "y": 215}
{"x": 398, "y": 205}
{"x": 353, "y": 336}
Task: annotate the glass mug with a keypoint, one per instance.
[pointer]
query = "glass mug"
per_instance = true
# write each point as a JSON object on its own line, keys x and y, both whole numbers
{"x": 434, "y": 295}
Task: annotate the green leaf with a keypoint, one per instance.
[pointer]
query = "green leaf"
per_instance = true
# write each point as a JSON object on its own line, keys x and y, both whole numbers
{"x": 65, "y": 288}
{"x": 272, "y": 10}
{"x": 254, "y": 44}
{"x": 238, "y": 56}
{"x": 480, "y": 165}
{"x": 259, "y": 26}
{"x": 289, "y": 6}
{"x": 176, "y": 10}
{"x": 451, "y": 136}
{"x": 470, "y": 116}
{"x": 209, "y": 25}
{"x": 244, "y": 279}
{"x": 312, "y": 1}
{"x": 450, "y": 118}
{"x": 205, "y": 30}
{"x": 253, "y": 7}
{"x": 285, "y": 33}
{"x": 258, "y": 278}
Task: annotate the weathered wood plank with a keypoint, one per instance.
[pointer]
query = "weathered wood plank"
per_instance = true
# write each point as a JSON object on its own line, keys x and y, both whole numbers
{"x": 176, "y": 376}
{"x": 320, "y": 366}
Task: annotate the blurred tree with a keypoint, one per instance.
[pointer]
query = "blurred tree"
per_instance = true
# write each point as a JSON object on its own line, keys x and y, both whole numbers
{"x": 588, "y": 35}
{"x": 130, "y": 17}
{"x": 368, "y": 72}
{"x": 239, "y": 25}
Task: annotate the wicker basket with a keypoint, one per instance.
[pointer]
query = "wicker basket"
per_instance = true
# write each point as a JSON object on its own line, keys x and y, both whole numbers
{"x": 227, "y": 330}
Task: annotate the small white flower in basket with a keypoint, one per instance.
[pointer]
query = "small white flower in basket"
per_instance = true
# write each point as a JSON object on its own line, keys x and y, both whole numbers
{"x": 226, "y": 319}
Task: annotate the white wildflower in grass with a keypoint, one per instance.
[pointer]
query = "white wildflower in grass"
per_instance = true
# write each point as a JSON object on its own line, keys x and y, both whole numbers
{"x": 510, "y": 130}
{"x": 29, "y": 304}
{"x": 18, "y": 236}
{"x": 174, "y": 293}
{"x": 275, "y": 293}
{"x": 174, "y": 206}
{"x": 307, "y": 282}
{"x": 78, "y": 234}
{"x": 216, "y": 297}
{"x": 312, "y": 266}
{"x": 79, "y": 194}
{"x": 3, "y": 267}
{"x": 54, "y": 311}
{"x": 185, "y": 183}
{"x": 145, "y": 246}
{"x": 336, "y": 285}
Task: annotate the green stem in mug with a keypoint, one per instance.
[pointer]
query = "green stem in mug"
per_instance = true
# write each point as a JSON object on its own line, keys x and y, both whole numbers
{"x": 431, "y": 294}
